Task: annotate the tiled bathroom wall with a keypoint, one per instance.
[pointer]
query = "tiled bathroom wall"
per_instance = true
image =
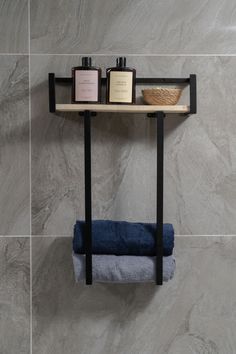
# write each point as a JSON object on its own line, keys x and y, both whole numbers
{"x": 42, "y": 183}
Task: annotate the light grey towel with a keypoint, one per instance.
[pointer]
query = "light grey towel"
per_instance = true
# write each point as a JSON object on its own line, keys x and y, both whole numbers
{"x": 122, "y": 269}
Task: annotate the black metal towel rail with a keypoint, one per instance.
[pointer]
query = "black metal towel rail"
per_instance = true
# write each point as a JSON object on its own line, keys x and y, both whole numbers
{"x": 159, "y": 115}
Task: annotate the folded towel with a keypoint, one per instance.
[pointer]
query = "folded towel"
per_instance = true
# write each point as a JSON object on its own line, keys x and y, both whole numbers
{"x": 123, "y": 269}
{"x": 123, "y": 238}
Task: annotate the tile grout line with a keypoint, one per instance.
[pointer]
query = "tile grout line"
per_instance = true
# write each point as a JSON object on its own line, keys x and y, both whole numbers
{"x": 30, "y": 187}
{"x": 71, "y": 236}
{"x": 16, "y": 236}
{"x": 122, "y": 54}
{"x": 190, "y": 236}
{"x": 136, "y": 54}
{"x": 15, "y": 54}
{"x": 205, "y": 235}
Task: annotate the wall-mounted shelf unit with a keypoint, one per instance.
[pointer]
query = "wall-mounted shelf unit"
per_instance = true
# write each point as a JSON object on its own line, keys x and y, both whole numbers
{"x": 158, "y": 112}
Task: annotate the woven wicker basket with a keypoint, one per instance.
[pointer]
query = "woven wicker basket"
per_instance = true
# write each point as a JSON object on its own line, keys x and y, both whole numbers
{"x": 161, "y": 96}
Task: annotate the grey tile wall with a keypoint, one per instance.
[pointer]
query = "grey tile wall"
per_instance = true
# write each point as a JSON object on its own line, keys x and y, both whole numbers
{"x": 14, "y": 146}
{"x": 200, "y": 153}
{"x": 14, "y": 26}
{"x": 14, "y": 295}
{"x": 193, "y": 313}
{"x": 135, "y": 26}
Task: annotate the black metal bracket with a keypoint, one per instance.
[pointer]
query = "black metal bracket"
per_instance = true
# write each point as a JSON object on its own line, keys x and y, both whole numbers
{"x": 159, "y": 198}
{"x": 88, "y": 197}
{"x": 159, "y": 115}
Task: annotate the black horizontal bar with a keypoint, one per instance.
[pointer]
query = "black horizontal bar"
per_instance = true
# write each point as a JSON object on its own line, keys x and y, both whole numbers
{"x": 153, "y": 80}
{"x": 141, "y": 80}
{"x": 63, "y": 80}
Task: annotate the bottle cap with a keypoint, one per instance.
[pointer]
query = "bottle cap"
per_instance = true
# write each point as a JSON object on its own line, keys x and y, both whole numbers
{"x": 121, "y": 62}
{"x": 86, "y": 61}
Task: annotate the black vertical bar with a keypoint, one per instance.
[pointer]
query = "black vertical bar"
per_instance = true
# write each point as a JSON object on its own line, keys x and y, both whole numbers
{"x": 193, "y": 93}
{"x": 88, "y": 198}
{"x": 52, "y": 92}
{"x": 159, "y": 211}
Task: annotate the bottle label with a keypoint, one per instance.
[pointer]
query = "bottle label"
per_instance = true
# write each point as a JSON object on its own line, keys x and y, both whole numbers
{"x": 86, "y": 85}
{"x": 121, "y": 86}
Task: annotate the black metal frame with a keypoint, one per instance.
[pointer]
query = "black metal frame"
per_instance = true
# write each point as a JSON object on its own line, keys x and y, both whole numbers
{"x": 191, "y": 81}
{"x": 88, "y": 196}
{"x": 159, "y": 201}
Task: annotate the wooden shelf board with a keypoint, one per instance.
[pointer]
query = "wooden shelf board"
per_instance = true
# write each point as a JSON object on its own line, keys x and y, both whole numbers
{"x": 121, "y": 108}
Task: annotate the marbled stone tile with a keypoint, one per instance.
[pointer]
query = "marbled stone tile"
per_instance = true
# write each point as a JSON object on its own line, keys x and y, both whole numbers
{"x": 200, "y": 153}
{"x": 14, "y": 146}
{"x": 192, "y": 313}
{"x": 14, "y": 26}
{"x": 14, "y": 295}
{"x": 110, "y": 26}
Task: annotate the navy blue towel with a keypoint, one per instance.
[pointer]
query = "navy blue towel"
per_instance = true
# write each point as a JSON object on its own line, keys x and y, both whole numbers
{"x": 123, "y": 238}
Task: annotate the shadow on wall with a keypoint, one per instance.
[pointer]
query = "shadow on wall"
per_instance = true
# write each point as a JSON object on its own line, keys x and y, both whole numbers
{"x": 55, "y": 292}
